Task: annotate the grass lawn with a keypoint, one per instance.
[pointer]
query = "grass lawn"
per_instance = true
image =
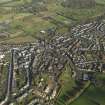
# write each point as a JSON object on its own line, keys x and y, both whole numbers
{"x": 91, "y": 96}
{"x": 83, "y": 14}
{"x": 20, "y": 39}
{"x": 100, "y": 1}
{"x": 66, "y": 85}
{"x": 67, "y": 81}
{"x": 3, "y": 81}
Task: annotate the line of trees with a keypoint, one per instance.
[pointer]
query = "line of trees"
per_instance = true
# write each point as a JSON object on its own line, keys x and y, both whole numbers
{"x": 79, "y": 3}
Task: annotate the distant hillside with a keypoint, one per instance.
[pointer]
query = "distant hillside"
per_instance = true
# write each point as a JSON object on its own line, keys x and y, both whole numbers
{"x": 79, "y": 3}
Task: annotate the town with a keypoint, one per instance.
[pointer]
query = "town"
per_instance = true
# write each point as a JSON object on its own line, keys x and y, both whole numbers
{"x": 83, "y": 49}
{"x": 52, "y": 52}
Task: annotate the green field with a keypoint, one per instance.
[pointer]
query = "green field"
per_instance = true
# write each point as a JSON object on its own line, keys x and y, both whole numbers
{"x": 67, "y": 84}
{"x": 28, "y": 24}
{"x": 92, "y": 96}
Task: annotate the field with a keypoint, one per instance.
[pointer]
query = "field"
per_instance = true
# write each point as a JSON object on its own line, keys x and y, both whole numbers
{"x": 67, "y": 84}
{"x": 92, "y": 96}
{"x": 23, "y": 24}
